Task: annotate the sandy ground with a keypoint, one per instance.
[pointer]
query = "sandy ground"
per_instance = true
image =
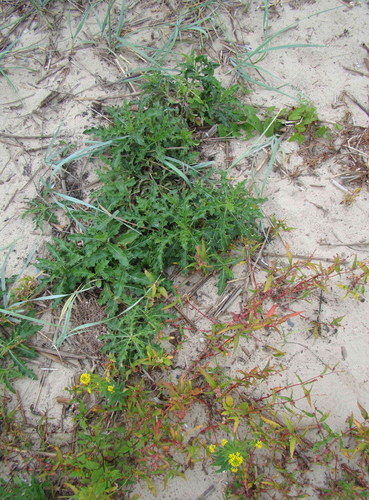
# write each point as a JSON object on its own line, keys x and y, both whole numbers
{"x": 55, "y": 90}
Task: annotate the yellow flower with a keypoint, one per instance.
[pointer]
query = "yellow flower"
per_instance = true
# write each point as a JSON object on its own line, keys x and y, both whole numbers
{"x": 235, "y": 459}
{"x": 224, "y": 442}
{"x": 89, "y": 390}
{"x": 234, "y": 470}
{"x": 85, "y": 378}
{"x": 212, "y": 448}
{"x": 111, "y": 388}
{"x": 259, "y": 444}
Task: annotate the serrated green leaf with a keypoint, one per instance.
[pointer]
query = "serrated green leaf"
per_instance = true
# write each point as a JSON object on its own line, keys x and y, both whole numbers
{"x": 119, "y": 254}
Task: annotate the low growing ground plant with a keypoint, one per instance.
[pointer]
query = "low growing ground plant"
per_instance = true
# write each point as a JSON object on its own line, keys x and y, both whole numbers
{"x": 159, "y": 206}
{"x": 17, "y": 313}
{"x": 265, "y": 438}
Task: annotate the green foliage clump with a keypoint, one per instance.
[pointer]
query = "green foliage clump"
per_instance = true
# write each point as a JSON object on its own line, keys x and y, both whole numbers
{"x": 157, "y": 209}
{"x": 41, "y": 211}
{"x": 197, "y": 95}
{"x": 32, "y": 490}
{"x": 16, "y": 327}
{"x": 304, "y": 117}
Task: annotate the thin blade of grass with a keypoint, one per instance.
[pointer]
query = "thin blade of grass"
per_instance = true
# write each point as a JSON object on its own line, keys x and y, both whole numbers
{"x": 49, "y": 155}
{"x": 14, "y": 314}
{"x": 274, "y": 147}
{"x": 40, "y": 299}
{"x": 93, "y": 207}
{"x": 65, "y": 316}
{"x": 252, "y": 150}
{"x": 266, "y": 86}
{"x": 3, "y": 270}
{"x": 122, "y": 15}
{"x": 168, "y": 162}
{"x": 80, "y": 24}
{"x": 240, "y": 62}
{"x": 64, "y": 207}
{"x": 176, "y": 34}
{"x": 291, "y": 46}
{"x": 196, "y": 167}
{"x": 95, "y": 147}
{"x": 137, "y": 48}
{"x": 74, "y": 331}
{"x": 258, "y": 145}
{"x": 266, "y": 19}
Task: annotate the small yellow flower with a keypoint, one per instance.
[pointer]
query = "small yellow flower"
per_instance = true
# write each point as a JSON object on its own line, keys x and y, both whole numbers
{"x": 234, "y": 470}
{"x": 107, "y": 378}
{"x": 224, "y": 442}
{"x": 111, "y": 388}
{"x": 85, "y": 378}
{"x": 89, "y": 390}
{"x": 235, "y": 459}
{"x": 212, "y": 448}
{"x": 259, "y": 444}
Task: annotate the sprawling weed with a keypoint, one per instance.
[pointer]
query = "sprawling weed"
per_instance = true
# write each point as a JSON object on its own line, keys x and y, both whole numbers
{"x": 155, "y": 208}
{"x": 33, "y": 489}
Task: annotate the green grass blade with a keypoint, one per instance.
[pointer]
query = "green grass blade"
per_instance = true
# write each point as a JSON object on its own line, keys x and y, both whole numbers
{"x": 95, "y": 147}
{"x": 93, "y": 207}
{"x": 80, "y": 24}
{"x": 274, "y": 146}
{"x": 291, "y": 46}
{"x": 14, "y": 314}
{"x": 78, "y": 329}
{"x": 122, "y": 16}
{"x": 266, "y": 19}
{"x": 40, "y": 299}
{"x": 3, "y": 267}
{"x": 167, "y": 161}
{"x": 22, "y": 367}
{"x": 137, "y": 48}
{"x": 252, "y": 150}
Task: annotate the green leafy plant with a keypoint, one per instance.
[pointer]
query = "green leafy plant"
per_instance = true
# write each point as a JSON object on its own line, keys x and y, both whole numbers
{"x": 135, "y": 445}
{"x": 110, "y": 30}
{"x": 19, "y": 489}
{"x": 231, "y": 455}
{"x": 200, "y": 97}
{"x": 17, "y": 313}
{"x": 41, "y": 209}
{"x": 157, "y": 210}
{"x": 6, "y": 54}
{"x": 243, "y": 429}
{"x": 304, "y": 117}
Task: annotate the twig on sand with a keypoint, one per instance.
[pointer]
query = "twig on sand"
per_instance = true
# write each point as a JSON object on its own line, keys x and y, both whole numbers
{"x": 21, "y": 407}
{"x": 299, "y": 256}
{"x": 64, "y": 353}
{"x": 352, "y": 70}
{"x": 209, "y": 491}
{"x": 185, "y": 317}
{"x": 354, "y": 100}
{"x": 30, "y": 137}
{"x": 225, "y": 301}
